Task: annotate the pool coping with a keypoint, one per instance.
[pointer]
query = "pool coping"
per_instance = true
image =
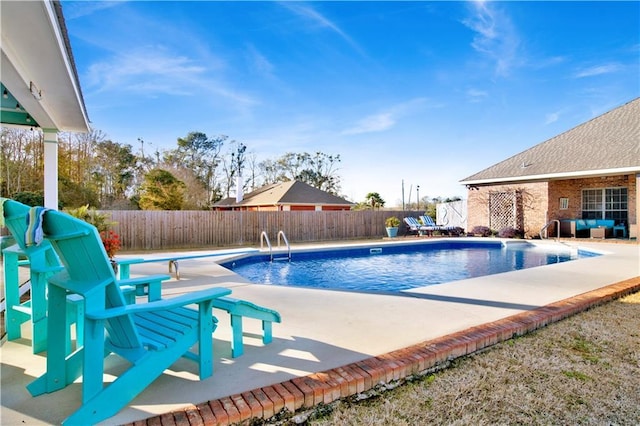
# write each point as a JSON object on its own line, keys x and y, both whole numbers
{"x": 305, "y": 393}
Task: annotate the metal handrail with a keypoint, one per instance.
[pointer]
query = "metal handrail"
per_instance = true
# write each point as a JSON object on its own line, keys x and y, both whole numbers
{"x": 544, "y": 228}
{"x": 264, "y": 237}
{"x": 284, "y": 237}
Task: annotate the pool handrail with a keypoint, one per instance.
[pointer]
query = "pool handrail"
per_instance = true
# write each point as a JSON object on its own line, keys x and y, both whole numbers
{"x": 265, "y": 238}
{"x": 544, "y": 228}
{"x": 286, "y": 241}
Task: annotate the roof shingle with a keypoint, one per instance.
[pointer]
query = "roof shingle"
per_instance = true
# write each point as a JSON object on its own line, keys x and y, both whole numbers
{"x": 606, "y": 144}
{"x": 291, "y": 192}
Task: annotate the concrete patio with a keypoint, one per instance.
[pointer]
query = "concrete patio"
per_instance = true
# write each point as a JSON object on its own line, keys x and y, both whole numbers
{"x": 366, "y": 337}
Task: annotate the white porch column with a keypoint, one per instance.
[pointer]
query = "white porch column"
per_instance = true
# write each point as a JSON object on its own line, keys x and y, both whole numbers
{"x": 51, "y": 168}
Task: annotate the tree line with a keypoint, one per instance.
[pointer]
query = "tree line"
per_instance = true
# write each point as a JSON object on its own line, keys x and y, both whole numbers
{"x": 426, "y": 204}
{"x": 201, "y": 170}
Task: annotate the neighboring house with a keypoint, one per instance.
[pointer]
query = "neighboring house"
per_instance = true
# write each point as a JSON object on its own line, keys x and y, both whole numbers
{"x": 285, "y": 196}
{"x": 589, "y": 172}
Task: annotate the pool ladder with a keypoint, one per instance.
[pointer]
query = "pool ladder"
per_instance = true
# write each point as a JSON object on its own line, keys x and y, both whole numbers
{"x": 264, "y": 238}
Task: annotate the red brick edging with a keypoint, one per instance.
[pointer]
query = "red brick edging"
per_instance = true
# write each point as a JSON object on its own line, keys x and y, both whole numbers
{"x": 327, "y": 386}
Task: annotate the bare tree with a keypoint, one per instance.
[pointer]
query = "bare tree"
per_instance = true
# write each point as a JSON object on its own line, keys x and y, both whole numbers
{"x": 200, "y": 154}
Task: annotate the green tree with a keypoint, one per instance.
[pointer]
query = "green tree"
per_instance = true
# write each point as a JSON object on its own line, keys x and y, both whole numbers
{"x": 101, "y": 221}
{"x": 29, "y": 198}
{"x": 200, "y": 154}
{"x": 74, "y": 194}
{"x": 161, "y": 191}
{"x": 374, "y": 200}
{"x": 76, "y": 154}
{"x": 113, "y": 171}
{"x": 21, "y": 161}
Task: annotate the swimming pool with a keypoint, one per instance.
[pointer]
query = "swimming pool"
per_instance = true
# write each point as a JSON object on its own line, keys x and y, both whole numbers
{"x": 397, "y": 267}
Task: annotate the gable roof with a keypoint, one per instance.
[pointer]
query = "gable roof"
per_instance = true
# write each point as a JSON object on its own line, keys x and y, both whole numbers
{"x": 605, "y": 145}
{"x": 291, "y": 193}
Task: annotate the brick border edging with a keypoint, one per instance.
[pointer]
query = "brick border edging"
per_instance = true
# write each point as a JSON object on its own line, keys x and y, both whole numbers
{"x": 303, "y": 393}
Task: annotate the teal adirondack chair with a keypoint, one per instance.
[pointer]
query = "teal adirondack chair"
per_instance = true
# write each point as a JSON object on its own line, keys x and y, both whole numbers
{"x": 151, "y": 336}
{"x": 43, "y": 262}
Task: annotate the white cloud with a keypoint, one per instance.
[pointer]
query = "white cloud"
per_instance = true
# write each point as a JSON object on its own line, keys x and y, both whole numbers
{"x": 385, "y": 120}
{"x": 548, "y": 62}
{"x": 552, "y": 117}
{"x": 126, "y": 71}
{"x": 495, "y": 36}
{"x": 153, "y": 71}
{"x": 598, "y": 70}
{"x": 79, "y": 9}
{"x": 476, "y": 95}
{"x": 322, "y": 21}
{"x": 373, "y": 123}
{"x": 260, "y": 62}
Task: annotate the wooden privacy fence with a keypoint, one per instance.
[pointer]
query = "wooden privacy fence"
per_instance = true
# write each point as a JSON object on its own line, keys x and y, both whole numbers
{"x": 164, "y": 230}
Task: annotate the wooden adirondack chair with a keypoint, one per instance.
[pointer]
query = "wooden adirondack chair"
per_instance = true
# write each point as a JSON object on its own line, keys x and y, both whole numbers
{"x": 43, "y": 262}
{"x": 151, "y": 336}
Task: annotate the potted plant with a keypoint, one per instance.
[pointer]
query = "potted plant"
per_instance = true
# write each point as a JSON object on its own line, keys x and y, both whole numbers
{"x": 391, "y": 224}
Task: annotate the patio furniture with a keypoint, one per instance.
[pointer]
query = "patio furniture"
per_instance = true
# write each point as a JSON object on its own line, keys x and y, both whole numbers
{"x": 42, "y": 262}
{"x": 450, "y": 230}
{"x": 151, "y": 336}
{"x": 600, "y": 232}
{"x": 416, "y": 227}
{"x": 241, "y": 308}
{"x": 619, "y": 229}
{"x": 575, "y": 228}
{"x": 236, "y": 308}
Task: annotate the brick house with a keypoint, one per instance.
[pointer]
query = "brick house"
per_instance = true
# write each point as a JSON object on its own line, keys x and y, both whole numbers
{"x": 589, "y": 172}
{"x": 285, "y": 196}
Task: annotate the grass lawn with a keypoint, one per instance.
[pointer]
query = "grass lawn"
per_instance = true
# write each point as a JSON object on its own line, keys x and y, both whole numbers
{"x": 583, "y": 370}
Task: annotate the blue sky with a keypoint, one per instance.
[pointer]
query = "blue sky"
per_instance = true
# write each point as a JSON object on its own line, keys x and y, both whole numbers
{"x": 425, "y": 92}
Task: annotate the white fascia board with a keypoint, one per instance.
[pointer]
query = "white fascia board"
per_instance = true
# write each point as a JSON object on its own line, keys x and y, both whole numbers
{"x": 83, "y": 123}
{"x": 555, "y": 176}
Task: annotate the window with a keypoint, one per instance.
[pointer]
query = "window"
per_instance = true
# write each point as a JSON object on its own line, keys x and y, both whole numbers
{"x": 605, "y": 203}
{"x": 564, "y": 203}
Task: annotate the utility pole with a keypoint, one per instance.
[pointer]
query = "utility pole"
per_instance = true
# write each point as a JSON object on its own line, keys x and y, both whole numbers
{"x": 141, "y": 147}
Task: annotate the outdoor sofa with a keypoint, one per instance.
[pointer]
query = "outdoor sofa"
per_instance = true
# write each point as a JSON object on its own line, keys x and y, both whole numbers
{"x": 576, "y": 228}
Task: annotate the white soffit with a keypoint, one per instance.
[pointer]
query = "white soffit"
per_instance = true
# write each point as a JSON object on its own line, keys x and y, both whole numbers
{"x": 33, "y": 50}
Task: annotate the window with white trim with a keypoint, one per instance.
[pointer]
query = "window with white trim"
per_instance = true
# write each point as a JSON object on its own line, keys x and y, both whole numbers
{"x": 564, "y": 203}
{"x": 605, "y": 203}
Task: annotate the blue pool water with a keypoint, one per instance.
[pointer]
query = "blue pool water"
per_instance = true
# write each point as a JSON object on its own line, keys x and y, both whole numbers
{"x": 392, "y": 268}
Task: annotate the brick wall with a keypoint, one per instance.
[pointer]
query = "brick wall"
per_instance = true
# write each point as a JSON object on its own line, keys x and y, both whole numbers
{"x": 534, "y": 199}
{"x": 572, "y": 189}
{"x": 542, "y": 200}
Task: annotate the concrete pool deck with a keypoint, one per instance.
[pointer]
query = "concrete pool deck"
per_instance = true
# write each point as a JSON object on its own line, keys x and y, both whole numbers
{"x": 332, "y": 344}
